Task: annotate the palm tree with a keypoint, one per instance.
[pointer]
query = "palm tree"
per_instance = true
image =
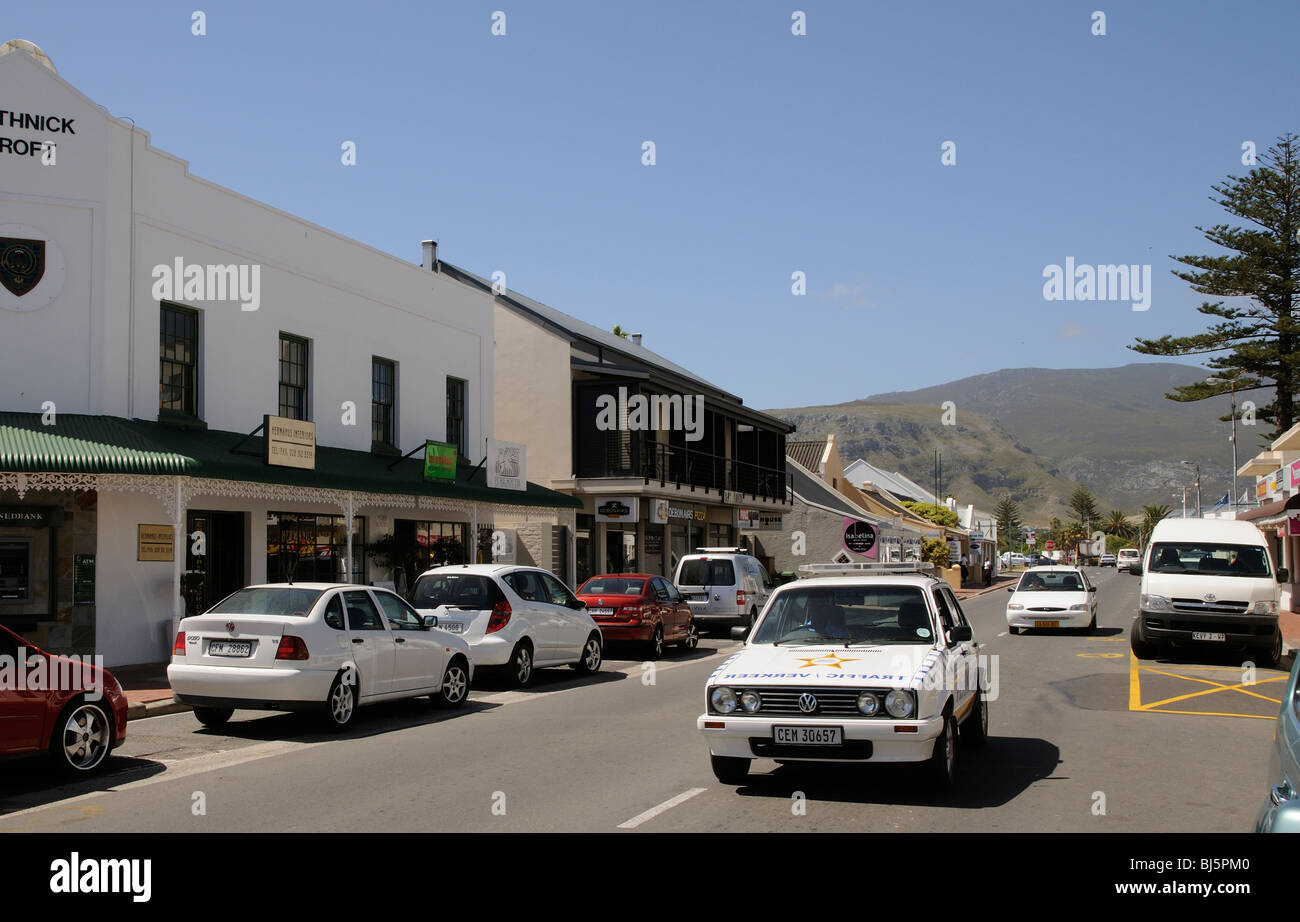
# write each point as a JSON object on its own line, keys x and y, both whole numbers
{"x": 1117, "y": 523}
{"x": 1151, "y": 515}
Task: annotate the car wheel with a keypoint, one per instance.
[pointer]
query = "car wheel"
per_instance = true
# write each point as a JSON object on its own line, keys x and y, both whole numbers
{"x": 1092, "y": 625}
{"x": 976, "y": 728}
{"x": 1141, "y": 647}
{"x": 729, "y": 770}
{"x": 82, "y": 738}
{"x": 943, "y": 763}
{"x": 657, "y": 642}
{"x": 1268, "y": 658}
{"x": 521, "y": 665}
{"x": 213, "y": 718}
{"x": 1014, "y": 630}
{"x": 455, "y": 685}
{"x": 753, "y": 616}
{"x": 341, "y": 704}
{"x": 590, "y": 662}
{"x": 692, "y": 636}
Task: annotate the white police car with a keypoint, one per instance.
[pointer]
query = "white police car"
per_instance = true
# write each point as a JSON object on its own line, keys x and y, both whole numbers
{"x": 860, "y": 663}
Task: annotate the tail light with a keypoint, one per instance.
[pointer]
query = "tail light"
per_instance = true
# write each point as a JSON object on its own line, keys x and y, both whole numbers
{"x": 500, "y": 617}
{"x": 291, "y": 648}
{"x": 740, "y": 597}
{"x": 632, "y": 611}
{"x": 178, "y": 648}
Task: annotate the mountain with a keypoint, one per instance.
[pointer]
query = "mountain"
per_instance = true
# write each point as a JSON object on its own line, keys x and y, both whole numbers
{"x": 1037, "y": 432}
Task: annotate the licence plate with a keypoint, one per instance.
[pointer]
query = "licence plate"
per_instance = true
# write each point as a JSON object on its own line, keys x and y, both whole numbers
{"x": 600, "y": 611}
{"x": 452, "y": 627}
{"x": 229, "y": 648}
{"x": 806, "y": 736}
{"x": 1201, "y": 635}
{"x": 697, "y": 597}
{"x": 1047, "y": 624}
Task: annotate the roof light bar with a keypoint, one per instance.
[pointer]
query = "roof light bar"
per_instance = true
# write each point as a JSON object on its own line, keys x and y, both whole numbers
{"x": 868, "y": 568}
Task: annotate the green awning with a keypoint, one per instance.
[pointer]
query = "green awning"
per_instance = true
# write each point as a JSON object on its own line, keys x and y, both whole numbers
{"x": 79, "y": 444}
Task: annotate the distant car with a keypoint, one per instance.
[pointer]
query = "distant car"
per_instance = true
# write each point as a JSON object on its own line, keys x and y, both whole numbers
{"x": 639, "y": 607}
{"x": 1127, "y": 557}
{"x": 723, "y": 585}
{"x": 1280, "y": 811}
{"x": 1052, "y": 597}
{"x": 1107, "y": 560}
{"x": 320, "y": 647}
{"x": 1040, "y": 560}
{"x": 512, "y": 616}
{"x": 74, "y": 712}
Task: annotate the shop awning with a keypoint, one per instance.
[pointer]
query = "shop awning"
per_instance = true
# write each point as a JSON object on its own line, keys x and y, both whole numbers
{"x": 1271, "y": 513}
{"x": 79, "y": 444}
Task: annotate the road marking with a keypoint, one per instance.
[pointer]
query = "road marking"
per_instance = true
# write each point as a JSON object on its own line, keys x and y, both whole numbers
{"x": 1134, "y": 684}
{"x": 542, "y": 693}
{"x": 1100, "y": 655}
{"x": 1158, "y": 707}
{"x": 1003, "y": 634}
{"x": 662, "y": 808}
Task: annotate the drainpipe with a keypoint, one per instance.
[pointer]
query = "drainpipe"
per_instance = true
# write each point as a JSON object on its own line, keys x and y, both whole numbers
{"x": 178, "y": 561}
{"x": 347, "y": 560}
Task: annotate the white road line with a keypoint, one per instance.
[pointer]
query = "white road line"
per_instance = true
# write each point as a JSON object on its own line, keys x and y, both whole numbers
{"x": 543, "y": 693}
{"x": 662, "y": 808}
{"x": 1003, "y": 634}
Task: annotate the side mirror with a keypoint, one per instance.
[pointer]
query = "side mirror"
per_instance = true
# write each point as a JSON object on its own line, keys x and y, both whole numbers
{"x": 739, "y": 632}
{"x": 961, "y": 634}
{"x": 1286, "y": 818}
{"x": 1283, "y": 575}
{"x": 1092, "y": 588}
{"x": 578, "y": 605}
{"x": 430, "y": 621}
{"x": 1011, "y": 589}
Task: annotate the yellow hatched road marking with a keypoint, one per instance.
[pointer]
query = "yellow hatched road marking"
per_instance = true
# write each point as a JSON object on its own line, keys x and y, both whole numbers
{"x": 1157, "y": 707}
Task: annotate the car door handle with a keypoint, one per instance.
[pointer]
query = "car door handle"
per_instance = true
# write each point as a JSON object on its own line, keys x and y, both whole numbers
{"x": 358, "y": 640}
{"x": 399, "y": 640}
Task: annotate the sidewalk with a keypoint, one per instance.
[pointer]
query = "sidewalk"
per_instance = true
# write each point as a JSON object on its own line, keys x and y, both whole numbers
{"x": 1001, "y": 581}
{"x": 147, "y": 691}
{"x": 1289, "y": 621}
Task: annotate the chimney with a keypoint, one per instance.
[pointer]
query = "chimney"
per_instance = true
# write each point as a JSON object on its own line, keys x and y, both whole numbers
{"x": 635, "y": 337}
{"x": 430, "y": 261}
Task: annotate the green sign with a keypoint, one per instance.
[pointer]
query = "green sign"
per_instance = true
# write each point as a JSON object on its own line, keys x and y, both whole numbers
{"x": 439, "y": 461}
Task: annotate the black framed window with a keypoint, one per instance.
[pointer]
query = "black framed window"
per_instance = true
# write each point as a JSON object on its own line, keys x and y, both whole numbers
{"x": 383, "y": 402}
{"x": 293, "y": 376}
{"x": 178, "y": 382}
{"x": 456, "y": 435}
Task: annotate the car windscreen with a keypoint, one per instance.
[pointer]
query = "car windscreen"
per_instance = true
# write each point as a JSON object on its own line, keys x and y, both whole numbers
{"x": 707, "y": 572}
{"x": 1050, "y": 582}
{"x": 459, "y": 590}
{"x": 294, "y": 603}
{"x": 847, "y": 615}
{"x": 1201, "y": 557}
{"x": 612, "y": 585}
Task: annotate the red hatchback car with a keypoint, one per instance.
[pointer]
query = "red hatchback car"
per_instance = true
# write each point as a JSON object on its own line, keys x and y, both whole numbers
{"x": 76, "y": 712}
{"x": 640, "y": 607}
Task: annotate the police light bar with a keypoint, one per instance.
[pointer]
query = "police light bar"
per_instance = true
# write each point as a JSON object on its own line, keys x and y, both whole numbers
{"x": 721, "y": 550}
{"x": 868, "y": 568}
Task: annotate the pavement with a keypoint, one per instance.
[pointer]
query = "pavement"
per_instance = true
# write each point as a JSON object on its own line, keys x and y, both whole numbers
{"x": 147, "y": 692}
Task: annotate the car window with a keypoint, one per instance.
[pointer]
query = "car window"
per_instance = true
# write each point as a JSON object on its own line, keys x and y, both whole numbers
{"x": 557, "y": 593}
{"x": 459, "y": 590}
{"x": 401, "y": 617}
{"x": 272, "y": 600}
{"x": 334, "y": 612}
{"x": 362, "y": 614}
{"x": 946, "y": 619}
{"x": 710, "y": 571}
{"x": 955, "y": 605}
{"x": 526, "y": 585}
{"x": 612, "y": 585}
{"x": 661, "y": 590}
{"x": 1050, "y": 581}
{"x": 814, "y": 615}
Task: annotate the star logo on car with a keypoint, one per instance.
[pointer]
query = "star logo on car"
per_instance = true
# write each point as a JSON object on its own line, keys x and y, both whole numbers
{"x": 832, "y": 660}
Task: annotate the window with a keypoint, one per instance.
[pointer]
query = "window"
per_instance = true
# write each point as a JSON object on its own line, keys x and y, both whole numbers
{"x": 466, "y": 591}
{"x": 526, "y": 585}
{"x": 400, "y": 616}
{"x": 307, "y": 547}
{"x": 334, "y": 612}
{"x": 456, "y": 434}
{"x": 946, "y": 621}
{"x": 362, "y": 614}
{"x": 178, "y": 387}
{"x": 817, "y": 614}
{"x": 292, "y": 603}
{"x": 661, "y": 590}
{"x": 15, "y": 571}
{"x": 293, "y": 377}
{"x": 557, "y": 593}
{"x": 703, "y": 571}
{"x": 383, "y": 405}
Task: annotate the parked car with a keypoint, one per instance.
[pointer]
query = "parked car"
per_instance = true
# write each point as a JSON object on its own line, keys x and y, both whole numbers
{"x": 723, "y": 585}
{"x": 870, "y": 667}
{"x": 519, "y": 617}
{"x": 1052, "y": 597}
{"x": 73, "y": 711}
{"x": 1127, "y": 557}
{"x": 321, "y": 647}
{"x": 639, "y": 607}
{"x": 1011, "y": 559}
{"x": 1280, "y": 811}
{"x": 1209, "y": 582}
{"x": 1108, "y": 560}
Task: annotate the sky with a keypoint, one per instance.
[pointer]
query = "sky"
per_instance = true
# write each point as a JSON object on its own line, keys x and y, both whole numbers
{"x": 774, "y": 154}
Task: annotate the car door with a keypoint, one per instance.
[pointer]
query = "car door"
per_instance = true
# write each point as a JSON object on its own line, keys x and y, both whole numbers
{"x": 961, "y": 660}
{"x": 373, "y": 649}
{"x": 676, "y": 612}
{"x": 657, "y": 595}
{"x": 540, "y": 620}
{"x": 572, "y": 624}
{"x": 22, "y": 710}
{"x": 419, "y": 655}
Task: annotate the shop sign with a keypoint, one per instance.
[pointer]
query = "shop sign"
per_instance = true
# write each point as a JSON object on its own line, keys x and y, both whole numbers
{"x": 83, "y": 579}
{"x": 290, "y": 443}
{"x": 1275, "y": 482}
{"x": 506, "y": 465}
{"x": 678, "y": 513}
{"x": 1261, "y": 488}
{"x": 757, "y": 520}
{"x": 659, "y": 511}
{"x": 860, "y": 538}
{"x": 1293, "y": 524}
{"x": 654, "y": 543}
{"x": 155, "y": 542}
{"x": 25, "y": 516}
{"x": 617, "y": 509}
{"x": 439, "y": 461}
{"x": 1293, "y": 475}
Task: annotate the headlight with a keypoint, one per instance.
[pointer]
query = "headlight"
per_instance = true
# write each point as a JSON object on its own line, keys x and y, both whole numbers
{"x": 1015, "y": 606}
{"x": 1154, "y": 602}
{"x": 1266, "y": 608}
{"x": 1082, "y": 606}
{"x": 723, "y": 699}
{"x": 868, "y": 704}
{"x": 900, "y": 703}
{"x": 750, "y": 701}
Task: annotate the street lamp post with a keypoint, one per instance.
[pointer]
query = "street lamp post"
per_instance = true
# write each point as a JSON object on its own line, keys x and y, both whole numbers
{"x": 1198, "y": 486}
{"x": 1232, "y": 403}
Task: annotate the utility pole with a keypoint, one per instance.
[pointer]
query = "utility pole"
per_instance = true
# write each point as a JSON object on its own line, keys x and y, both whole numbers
{"x": 1232, "y": 404}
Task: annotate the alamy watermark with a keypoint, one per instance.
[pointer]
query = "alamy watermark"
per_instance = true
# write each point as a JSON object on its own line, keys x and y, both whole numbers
{"x": 655, "y": 412}
{"x": 53, "y": 673}
{"x": 1098, "y": 283}
{"x": 212, "y": 282}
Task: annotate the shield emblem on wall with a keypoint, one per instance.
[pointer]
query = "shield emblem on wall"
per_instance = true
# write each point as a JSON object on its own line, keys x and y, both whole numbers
{"x": 22, "y": 263}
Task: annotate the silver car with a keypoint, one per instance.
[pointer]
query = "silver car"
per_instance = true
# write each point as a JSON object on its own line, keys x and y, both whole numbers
{"x": 1281, "y": 811}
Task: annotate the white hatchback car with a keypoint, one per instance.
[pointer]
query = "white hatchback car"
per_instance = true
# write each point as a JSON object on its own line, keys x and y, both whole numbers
{"x": 1052, "y": 597}
{"x": 520, "y": 617}
{"x": 313, "y": 646}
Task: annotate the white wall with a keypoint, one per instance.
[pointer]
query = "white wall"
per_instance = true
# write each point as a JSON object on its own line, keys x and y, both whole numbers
{"x": 133, "y": 599}
{"x": 533, "y": 394}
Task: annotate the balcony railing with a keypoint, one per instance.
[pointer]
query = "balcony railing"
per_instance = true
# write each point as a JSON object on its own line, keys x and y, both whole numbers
{"x": 669, "y": 465}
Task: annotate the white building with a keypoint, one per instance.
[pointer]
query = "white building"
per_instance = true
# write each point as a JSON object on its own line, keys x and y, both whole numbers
{"x": 126, "y": 403}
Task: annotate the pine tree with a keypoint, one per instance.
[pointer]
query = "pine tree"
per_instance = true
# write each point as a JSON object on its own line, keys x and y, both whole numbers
{"x": 1007, "y": 514}
{"x": 1084, "y": 506}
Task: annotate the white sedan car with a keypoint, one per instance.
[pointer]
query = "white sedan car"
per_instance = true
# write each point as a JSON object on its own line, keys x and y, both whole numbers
{"x": 313, "y": 647}
{"x": 513, "y": 616}
{"x": 1052, "y": 597}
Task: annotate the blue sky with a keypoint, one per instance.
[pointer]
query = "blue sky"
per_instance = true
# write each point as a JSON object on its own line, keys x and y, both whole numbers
{"x": 775, "y": 153}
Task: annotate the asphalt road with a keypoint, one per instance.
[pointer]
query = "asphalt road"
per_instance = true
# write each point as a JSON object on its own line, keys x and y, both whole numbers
{"x": 1083, "y": 738}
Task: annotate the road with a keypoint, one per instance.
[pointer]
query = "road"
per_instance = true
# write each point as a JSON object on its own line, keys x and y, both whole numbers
{"x": 1083, "y": 738}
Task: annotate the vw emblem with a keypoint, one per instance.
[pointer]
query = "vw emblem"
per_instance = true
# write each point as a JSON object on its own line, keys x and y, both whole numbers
{"x": 600, "y": 601}
{"x": 1210, "y": 596}
{"x": 230, "y": 626}
{"x": 807, "y": 702}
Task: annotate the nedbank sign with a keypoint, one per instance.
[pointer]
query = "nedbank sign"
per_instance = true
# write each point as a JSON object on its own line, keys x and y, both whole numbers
{"x": 20, "y": 146}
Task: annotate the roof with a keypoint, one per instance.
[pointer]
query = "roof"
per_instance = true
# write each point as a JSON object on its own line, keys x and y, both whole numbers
{"x": 808, "y": 453}
{"x": 859, "y": 471}
{"x": 815, "y": 491}
{"x": 1206, "y": 530}
{"x": 80, "y": 444}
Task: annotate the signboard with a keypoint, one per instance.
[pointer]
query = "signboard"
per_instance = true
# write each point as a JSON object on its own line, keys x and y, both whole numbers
{"x": 860, "y": 538}
{"x": 1050, "y": 545}
{"x": 25, "y": 516}
{"x": 684, "y": 513}
{"x": 506, "y": 465}
{"x": 83, "y": 579}
{"x": 290, "y": 442}
{"x": 654, "y": 543}
{"x": 659, "y": 511}
{"x": 155, "y": 542}
{"x": 1261, "y": 488}
{"x": 1275, "y": 480}
{"x": 1293, "y": 475}
{"x": 439, "y": 460}
{"x": 756, "y": 520}
{"x": 616, "y": 509}
{"x": 1293, "y": 524}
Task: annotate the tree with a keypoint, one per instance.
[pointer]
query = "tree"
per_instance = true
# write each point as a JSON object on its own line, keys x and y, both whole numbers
{"x": 1071, "y": 534}
{"x": 619, "y": 331}
{"x": 1257, "y": 343}
{"x": 1007, "y": 514}
{"x": 940, "y": 515}
{"x": 935, "y": 551}
{"x": 1084, "y": 506}
{"x": 1150, "y": 516}
{"x": 1116, "y": 523}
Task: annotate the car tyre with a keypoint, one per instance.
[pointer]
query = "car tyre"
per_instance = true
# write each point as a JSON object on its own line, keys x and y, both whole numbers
{"x": 591, "y": 656}
{"x": 657, "y": 642}
{"x": 729, "y": 770}
{"x": 1272, "y": 655}
{"x": 82, "y": 738}
{"x": 454, "y": 690}
{"x": 341, "y": 703}
{"x": 943, "y": 763}
{"x": 213, "y": 718}
{"x": 692, "y": 636}
{"x": 1015, "y": 631}
{"x": 521, "y": 665}
{"x": 976, "y": 728}
{"x": 1141, "y": 647}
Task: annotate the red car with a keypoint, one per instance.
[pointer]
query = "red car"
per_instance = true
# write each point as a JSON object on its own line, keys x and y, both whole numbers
{"x": 640, "y": 607}
{"x": 76, "y": 712}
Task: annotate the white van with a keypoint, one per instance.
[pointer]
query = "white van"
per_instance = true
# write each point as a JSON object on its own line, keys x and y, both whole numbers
{"x": 723, "y": 585}
{"x": 1209, "y": 582}
{"x": 1126, "y": 557}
